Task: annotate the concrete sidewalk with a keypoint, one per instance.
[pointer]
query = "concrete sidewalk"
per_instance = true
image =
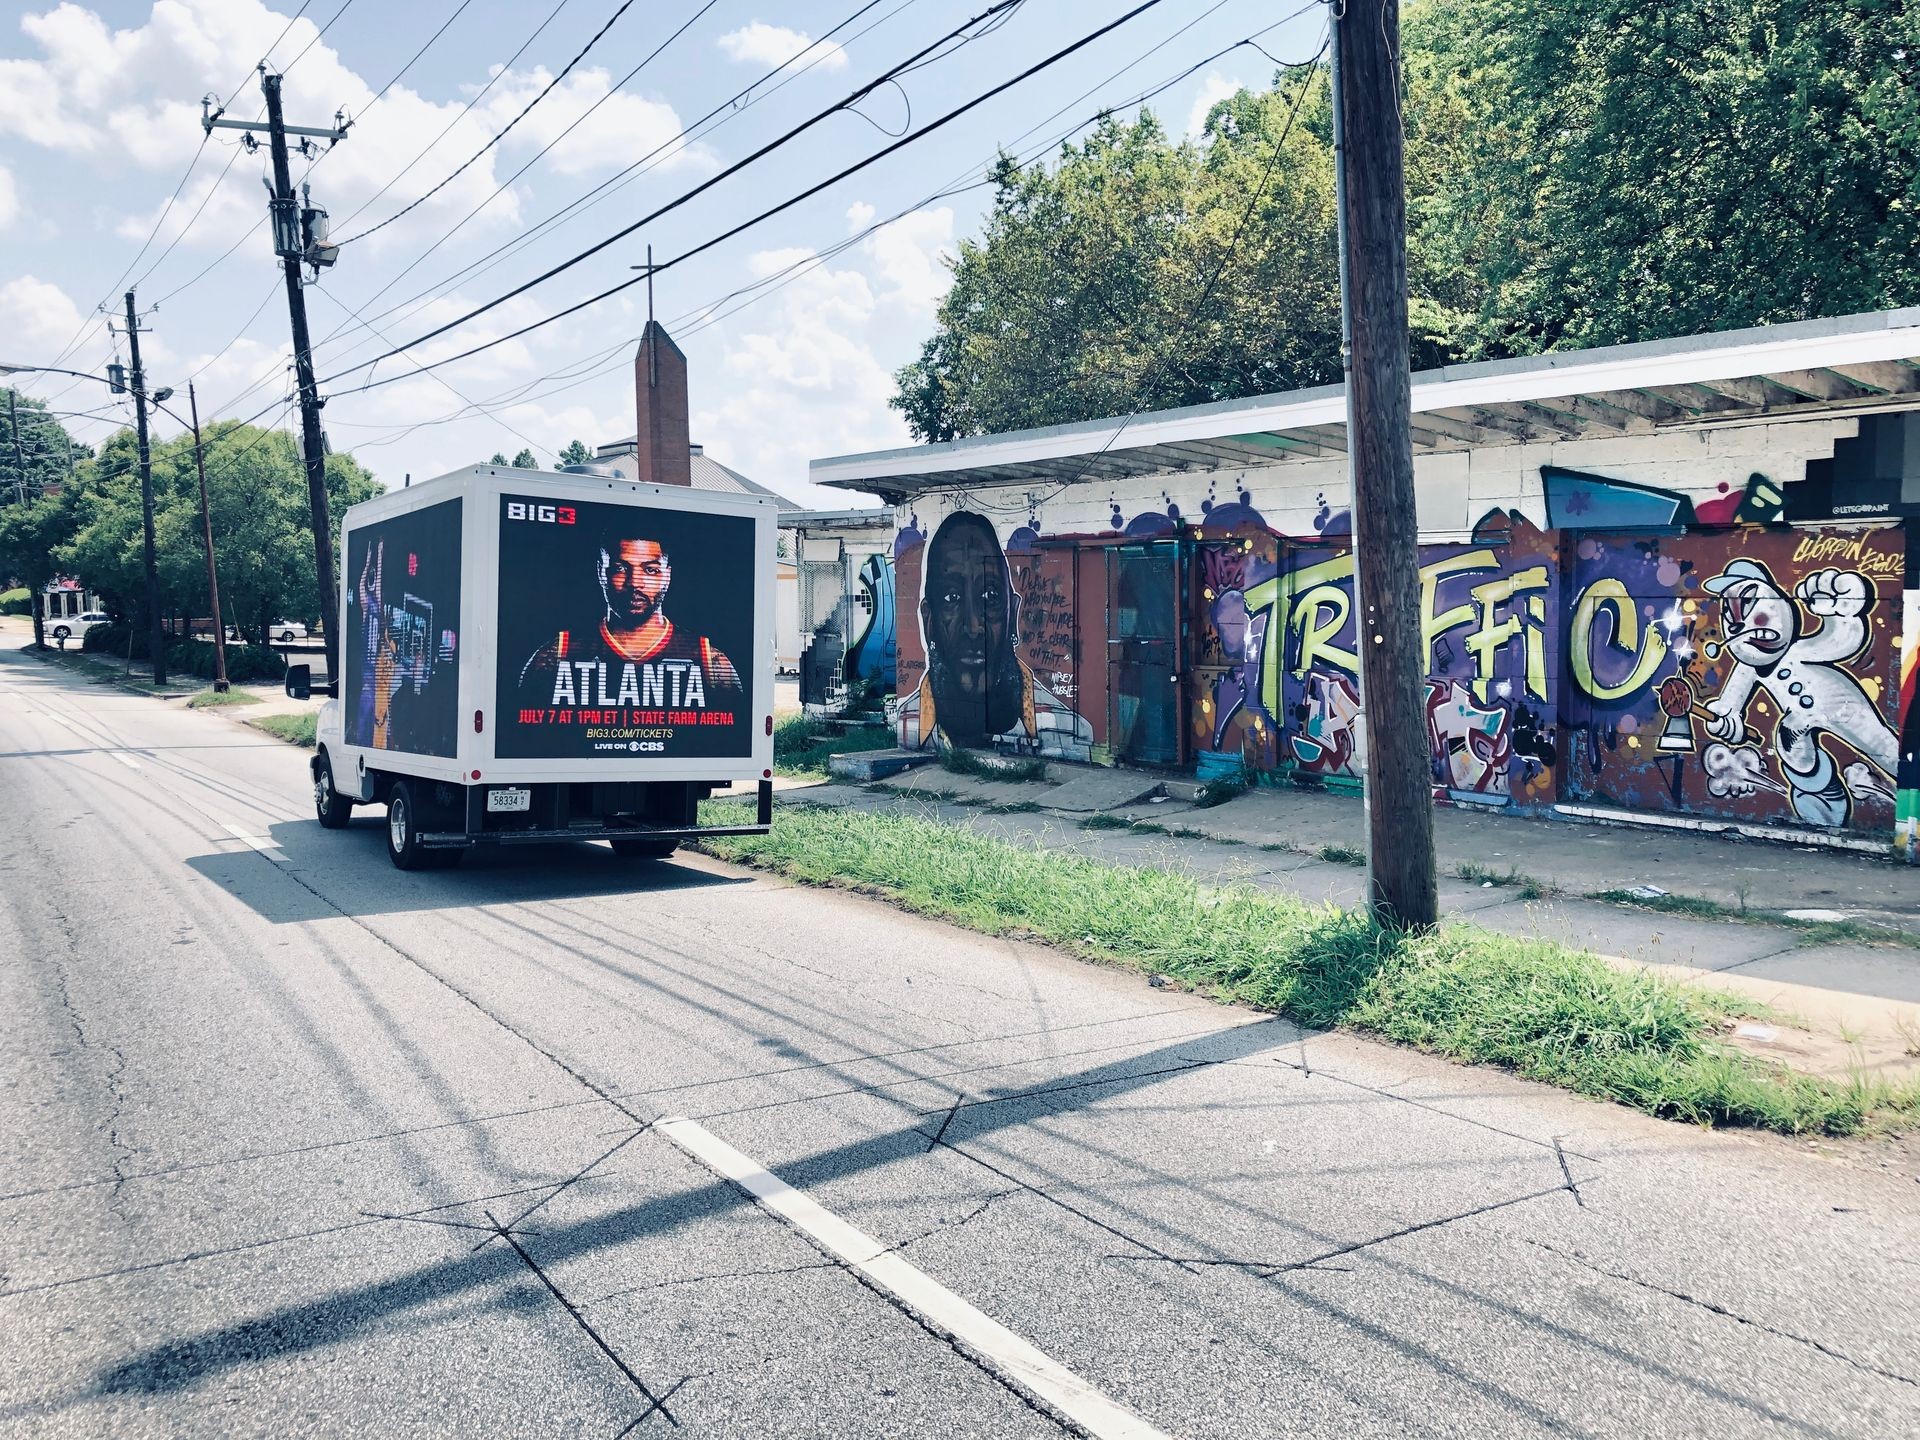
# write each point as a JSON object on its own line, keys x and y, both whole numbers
{"x": 1854, "y": 997}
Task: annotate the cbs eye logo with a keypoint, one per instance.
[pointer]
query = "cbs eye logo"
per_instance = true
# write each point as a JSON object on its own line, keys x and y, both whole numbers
{"x": 544, "y": 514}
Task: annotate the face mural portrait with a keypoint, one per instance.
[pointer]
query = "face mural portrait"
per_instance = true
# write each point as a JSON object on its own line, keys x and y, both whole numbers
{"x": 977, "y": 691}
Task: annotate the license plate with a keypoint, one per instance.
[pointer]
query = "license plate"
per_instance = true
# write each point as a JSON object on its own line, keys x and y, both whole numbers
{"x": 505, "y": 802}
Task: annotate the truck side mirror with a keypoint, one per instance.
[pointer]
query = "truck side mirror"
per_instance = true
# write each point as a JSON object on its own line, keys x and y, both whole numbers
{"x": 299, "y": 681}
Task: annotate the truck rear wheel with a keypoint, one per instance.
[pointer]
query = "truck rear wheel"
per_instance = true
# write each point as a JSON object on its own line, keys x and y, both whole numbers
{"x": 403, "y": 830}
{"x": 633, "y": 847}
{"x": 330, "y": 807}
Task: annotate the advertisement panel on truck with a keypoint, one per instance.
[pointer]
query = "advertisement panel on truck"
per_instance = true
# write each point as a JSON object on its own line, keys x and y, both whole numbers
{"x": 403, "y": 632}
{"x": 624, "y": 630}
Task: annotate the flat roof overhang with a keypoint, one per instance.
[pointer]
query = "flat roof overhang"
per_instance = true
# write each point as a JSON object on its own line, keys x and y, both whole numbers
{"x": 1807, "y": 369}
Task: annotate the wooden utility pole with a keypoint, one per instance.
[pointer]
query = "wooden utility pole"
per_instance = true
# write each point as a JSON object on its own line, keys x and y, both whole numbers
{"x": 1386, "y": 552}
{"x": 312, "y": 448}
{"x": 299, "y": 239}
{"x": 206, "y": 536}
{"x": 156, "y": 637}
{"x": 19, "y": 454}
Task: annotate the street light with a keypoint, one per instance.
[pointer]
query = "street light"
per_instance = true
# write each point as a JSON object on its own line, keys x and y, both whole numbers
{"x": 116, "y": 381}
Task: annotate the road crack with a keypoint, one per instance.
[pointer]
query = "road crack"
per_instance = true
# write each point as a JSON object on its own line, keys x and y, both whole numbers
{"x": 1713, "y": 1308}
{"x": 114, "y": 1075}
{"x": 654, "y": 1402}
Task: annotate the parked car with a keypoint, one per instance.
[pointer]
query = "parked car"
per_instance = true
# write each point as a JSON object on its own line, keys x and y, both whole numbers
{"x": 72, "y": 627}
{"x": 284, "y": 631}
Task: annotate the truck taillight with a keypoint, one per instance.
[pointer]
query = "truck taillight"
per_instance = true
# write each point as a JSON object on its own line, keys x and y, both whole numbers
{"x": 479, "y": 721}
{"x": 769, "y": 724}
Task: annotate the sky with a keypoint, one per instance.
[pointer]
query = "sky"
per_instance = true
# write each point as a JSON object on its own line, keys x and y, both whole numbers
{"x": 792, "y": 328}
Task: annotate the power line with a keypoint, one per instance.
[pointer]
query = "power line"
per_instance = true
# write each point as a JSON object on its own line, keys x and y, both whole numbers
{"x": 478, "y": 96}
{"x": 593, "y": 364}
{"x": 441, "y": 380}
{"x": 612, "y": 90}
{"x": 1158, "y": 367}
{"x": 345, "y": 6}
{"x": 733, "y": 169}
{"x": 381, "y": 94}
{"x": 731, "y": 107}
{"x": 86, "y": 326}
{"x": 768, "y": 284}
{"x": 625, "y": 5}
{"x": 267, "y": 54}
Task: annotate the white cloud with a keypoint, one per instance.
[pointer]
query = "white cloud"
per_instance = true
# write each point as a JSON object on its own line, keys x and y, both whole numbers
{"x": 37, "y": 317}
{"x": 622, "y": 130}
{"x": 808, "y": 372}
{"x": 771, "y": 45}
{"x": 9, "y": 198}
{"x": 1214, "y": 87}
{"x": 126, "y": 100}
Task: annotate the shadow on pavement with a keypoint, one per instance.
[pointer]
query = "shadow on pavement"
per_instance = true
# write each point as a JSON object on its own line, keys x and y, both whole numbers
{"x": 177, "y": 1364}
{"x": 346, "y": 872}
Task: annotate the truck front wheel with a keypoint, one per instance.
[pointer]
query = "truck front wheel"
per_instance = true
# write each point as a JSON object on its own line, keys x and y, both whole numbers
{"x": 330, "y": 807}
{"x": 403, "y": 829}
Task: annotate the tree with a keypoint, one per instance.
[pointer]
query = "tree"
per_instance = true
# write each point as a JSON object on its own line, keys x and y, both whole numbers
{"x": 1633, "y": 171}
{"x": 498, "y": 459}
{"x": 525, "y": 461}
{"x": 1140, "y": 274}
{"x": 37, "y": 501}
{"x": 1593, "y": 172}
{"x": 257, "y": 502}
{"x": 576, "y": 453}
{"x": 29, "y": 536}
{"x": 46, "y": 447}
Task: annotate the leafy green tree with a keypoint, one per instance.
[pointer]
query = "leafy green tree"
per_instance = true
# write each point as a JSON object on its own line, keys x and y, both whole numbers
{"x": 1630, "y": 171}
{"x": 37, "y": 500}
{"x": 256, "y": 501}
{"x": 1139, "y": 273}
{"x": 46, "y": 447}
{"x": 525, "y": 461}
{"x": 30, "y": 534}
{"x": 498, "y": 459}
{"x": 576, "y": 453}
{"x": 1593, "y": 172}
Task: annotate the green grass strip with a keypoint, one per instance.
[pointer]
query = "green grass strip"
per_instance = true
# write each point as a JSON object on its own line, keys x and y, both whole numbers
{"x": 801, "y": 745}
{"x": 294, "y": 729}
{"x": 218, "y": 699}
{"x": 1542, "y": 1010}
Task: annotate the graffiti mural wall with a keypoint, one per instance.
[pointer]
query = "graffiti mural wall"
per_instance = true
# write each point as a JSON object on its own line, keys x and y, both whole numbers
{"x": 1660, "y": 640}
{"x": 974, "y": 679}
{"x": 1750, "y": 674}
{"x": 1287, "y": 696}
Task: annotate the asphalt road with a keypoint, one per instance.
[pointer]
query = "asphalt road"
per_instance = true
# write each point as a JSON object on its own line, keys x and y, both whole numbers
{"x": 296, "y": 1144}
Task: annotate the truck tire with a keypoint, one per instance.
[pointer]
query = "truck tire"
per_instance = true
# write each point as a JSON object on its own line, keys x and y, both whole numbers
{"x": 403, "y": 830}
{"x": 633, "y": 847}
{"x": 330, "y": 807}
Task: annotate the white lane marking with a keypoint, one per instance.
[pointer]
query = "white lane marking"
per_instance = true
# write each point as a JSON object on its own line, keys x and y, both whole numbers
{"x": 939, "y": 1307}
{"x": 125, "y": 759}
{"x": 257, "y": 842}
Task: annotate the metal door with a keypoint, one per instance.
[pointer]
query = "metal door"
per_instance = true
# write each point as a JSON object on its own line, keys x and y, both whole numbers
{"x": 1143, "y": 653}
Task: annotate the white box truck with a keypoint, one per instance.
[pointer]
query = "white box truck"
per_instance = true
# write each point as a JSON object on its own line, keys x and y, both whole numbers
{"x": 532, "y": 657}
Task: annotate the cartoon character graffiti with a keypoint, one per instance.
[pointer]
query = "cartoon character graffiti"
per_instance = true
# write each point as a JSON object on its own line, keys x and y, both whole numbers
{"x": 1799, "y": 667}
{"x": 977, "y": 689}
